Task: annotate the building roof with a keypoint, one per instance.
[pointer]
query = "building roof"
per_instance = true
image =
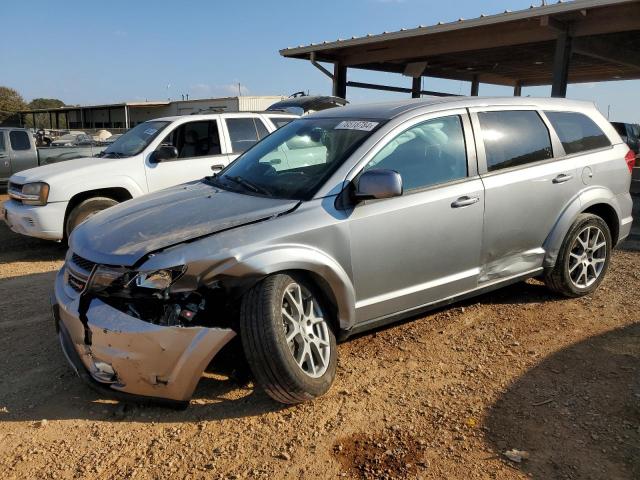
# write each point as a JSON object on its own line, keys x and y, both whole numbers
{"x": 508, "y": 48}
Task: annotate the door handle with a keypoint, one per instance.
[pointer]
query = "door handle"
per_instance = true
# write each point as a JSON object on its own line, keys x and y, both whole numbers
{"x": 562, "y": 178}
{"x": 465, "y": 201}
{"x": 2, "y": 155}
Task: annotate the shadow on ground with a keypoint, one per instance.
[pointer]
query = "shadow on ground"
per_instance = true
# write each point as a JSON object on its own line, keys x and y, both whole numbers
{"x": 583, "y": 402}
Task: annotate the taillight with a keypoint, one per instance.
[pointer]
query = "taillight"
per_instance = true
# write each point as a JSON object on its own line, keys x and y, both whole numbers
{"x": 630, "y": 158}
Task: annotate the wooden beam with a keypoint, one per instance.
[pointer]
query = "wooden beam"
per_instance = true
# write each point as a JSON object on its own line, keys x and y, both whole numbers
{"x": 561, "y": 63}
{"x": 552, "y": 23}
{"x": 450, "y": 42}
{"x": 517, "y": 90}
{"x": 416, "y": 86}
{"x": 318, "y": 66}
{"x": 608, "y": 51}
{"x": 389, "y": 88}
{"x": 475, "y": 86}
{"x": 339, "y": 80}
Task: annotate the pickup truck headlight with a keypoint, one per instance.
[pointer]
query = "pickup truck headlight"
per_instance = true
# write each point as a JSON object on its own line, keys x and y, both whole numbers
{"x": 34, "y": 193}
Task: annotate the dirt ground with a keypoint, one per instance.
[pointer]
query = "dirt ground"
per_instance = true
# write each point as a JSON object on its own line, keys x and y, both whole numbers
{"x": 442, "y": 396}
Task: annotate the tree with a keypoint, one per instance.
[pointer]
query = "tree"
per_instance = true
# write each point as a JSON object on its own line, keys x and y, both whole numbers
{"x": 10, "y": 102}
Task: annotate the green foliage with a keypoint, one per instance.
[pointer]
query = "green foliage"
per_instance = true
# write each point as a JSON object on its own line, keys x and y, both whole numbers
{"x": 42, "y": 119}
{"x": 10, "y": 102}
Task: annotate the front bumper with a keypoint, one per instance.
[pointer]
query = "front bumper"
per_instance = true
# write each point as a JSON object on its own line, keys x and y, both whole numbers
{"x": 45, "y": 221}
{"x": 127, "y": 355}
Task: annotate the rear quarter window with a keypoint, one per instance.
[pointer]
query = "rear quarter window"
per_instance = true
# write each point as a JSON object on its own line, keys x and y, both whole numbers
{"x": 19, "y": 140}
{"x": 577, "y": 132}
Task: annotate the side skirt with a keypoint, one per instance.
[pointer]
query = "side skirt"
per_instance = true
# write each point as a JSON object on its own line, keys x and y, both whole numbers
{"x": 412, "y": 312}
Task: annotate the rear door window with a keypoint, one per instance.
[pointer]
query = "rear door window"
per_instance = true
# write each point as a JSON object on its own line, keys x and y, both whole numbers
{"x": 262, "y": 129}
{"x": 513, "y": 138}
{"x": 280, "y": 122}
{"x": 243, "y": 133}
{"x": 577, "y": 132}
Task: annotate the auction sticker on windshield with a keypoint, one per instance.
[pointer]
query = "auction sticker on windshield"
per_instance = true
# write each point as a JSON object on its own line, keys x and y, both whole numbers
{"x": 356, "y": 125}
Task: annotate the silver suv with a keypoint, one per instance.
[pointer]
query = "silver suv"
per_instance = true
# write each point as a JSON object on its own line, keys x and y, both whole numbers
{"x": 340, "y": 222}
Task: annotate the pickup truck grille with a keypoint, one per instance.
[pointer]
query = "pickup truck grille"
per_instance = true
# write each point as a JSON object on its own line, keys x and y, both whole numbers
{"x": 14, "y": 189}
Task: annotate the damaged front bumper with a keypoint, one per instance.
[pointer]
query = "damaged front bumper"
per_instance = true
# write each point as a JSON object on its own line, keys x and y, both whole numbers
{"x": 126, "y": 355}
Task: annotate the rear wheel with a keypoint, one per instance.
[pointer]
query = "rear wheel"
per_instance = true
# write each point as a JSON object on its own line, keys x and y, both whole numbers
{"x": 287, "y": 339}
{"x": 583, "y": 259}
{"x": 85, "y": 209}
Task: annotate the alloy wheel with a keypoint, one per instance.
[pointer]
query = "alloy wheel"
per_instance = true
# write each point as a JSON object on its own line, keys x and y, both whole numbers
{"x": 306, "y": 330}
{"x": 587, "y": 257}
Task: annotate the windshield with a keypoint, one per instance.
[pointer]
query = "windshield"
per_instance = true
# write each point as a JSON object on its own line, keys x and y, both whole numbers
{"x": 294, "y": 161}
{"x": 135, "y": 140}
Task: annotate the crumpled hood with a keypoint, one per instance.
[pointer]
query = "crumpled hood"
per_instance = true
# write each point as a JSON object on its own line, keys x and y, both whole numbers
{"x": 123, "y": 234}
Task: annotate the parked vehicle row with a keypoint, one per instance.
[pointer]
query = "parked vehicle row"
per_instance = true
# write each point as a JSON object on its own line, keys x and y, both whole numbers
{"x": 336, "y": 223}
{"x": 50, "y": 201}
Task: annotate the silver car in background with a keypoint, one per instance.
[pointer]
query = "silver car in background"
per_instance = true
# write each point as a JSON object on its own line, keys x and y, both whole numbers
{"x": 340, "y": 222}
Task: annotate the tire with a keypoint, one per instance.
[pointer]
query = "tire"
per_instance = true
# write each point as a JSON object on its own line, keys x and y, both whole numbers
{"x": 86, "y": 209}
{"x": 578, "y": 270}
{"x": 264, "y": 329}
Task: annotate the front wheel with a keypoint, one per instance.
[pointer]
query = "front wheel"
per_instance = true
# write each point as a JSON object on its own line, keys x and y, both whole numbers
{"x": 85, "y": 209}
{"x": 583, "y": 259}
{"x": 287, "y": 339}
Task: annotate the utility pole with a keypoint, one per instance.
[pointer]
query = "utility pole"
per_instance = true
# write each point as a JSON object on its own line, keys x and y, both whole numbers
{"x": 239, "y": 91}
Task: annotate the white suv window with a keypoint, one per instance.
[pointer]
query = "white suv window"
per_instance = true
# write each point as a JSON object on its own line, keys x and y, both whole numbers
{"x": 243, "y": 133}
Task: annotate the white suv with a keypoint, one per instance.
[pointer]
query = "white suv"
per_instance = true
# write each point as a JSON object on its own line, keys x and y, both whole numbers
{"x": 50, "y": 201}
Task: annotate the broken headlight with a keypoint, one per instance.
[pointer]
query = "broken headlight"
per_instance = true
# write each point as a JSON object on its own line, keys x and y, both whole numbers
{"x": 114, "y": 279}
{"x": 158, "y": 280}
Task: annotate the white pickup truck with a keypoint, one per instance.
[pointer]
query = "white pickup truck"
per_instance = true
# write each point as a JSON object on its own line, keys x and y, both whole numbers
{"x": 50, "y": 201}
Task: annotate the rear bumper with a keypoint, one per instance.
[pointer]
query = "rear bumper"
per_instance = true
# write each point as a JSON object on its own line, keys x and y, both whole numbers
{"x": 42, "y": 222}
{"x": 129, "y": 356}
{"x": 626, "y": 207}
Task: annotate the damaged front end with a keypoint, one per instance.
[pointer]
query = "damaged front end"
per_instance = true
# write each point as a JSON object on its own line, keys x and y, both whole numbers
{"x": 131, "y": 333}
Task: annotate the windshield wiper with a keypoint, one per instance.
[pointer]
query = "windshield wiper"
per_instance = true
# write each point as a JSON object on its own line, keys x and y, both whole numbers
{"x": 247, "y": 184}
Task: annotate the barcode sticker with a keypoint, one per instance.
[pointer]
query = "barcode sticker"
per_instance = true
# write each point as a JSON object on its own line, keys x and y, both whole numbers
{"x": 356, "y": 125}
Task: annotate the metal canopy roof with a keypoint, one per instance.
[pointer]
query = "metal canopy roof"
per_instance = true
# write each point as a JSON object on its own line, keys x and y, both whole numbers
{"x": 511, "y": 48}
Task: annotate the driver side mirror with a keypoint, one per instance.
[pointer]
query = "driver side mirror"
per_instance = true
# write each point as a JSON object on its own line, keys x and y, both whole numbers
{"x": 378, "y": 183}
{"x": 163, "y": 153}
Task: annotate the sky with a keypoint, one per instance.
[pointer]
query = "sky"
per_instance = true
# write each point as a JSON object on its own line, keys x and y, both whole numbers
{"x": 87, "y": 52}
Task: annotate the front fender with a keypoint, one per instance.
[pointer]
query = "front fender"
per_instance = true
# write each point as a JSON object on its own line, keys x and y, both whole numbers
{"x": 120, "y": 181}
{"x": 580, "y": 203}
{"x": 281, "y": 258}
